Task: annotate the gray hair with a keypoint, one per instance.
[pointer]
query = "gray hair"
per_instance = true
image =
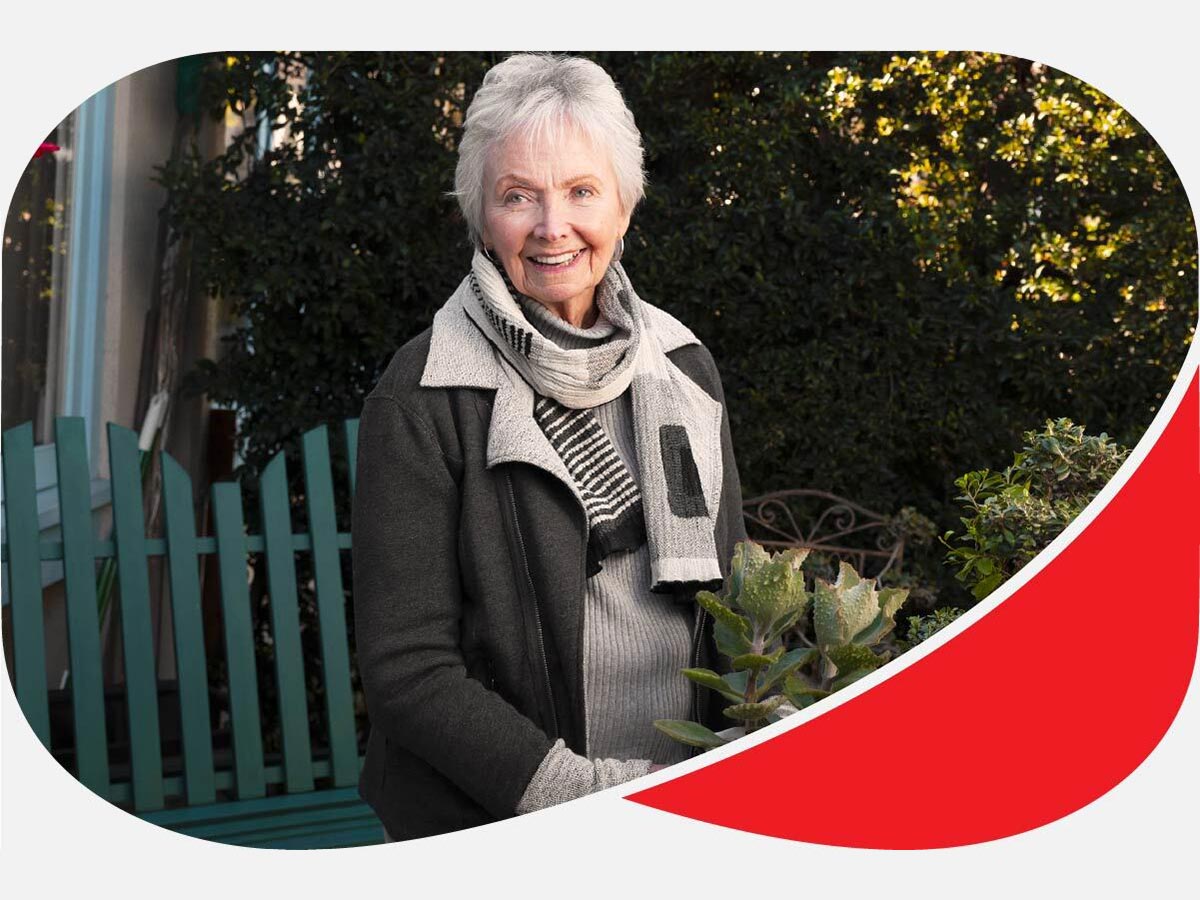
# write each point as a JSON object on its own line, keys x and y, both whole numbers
{"x": 541, "y": 94}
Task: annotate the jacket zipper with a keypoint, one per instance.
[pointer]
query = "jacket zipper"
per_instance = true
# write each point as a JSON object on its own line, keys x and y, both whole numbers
{"x": 580, "y": 639}
{"x": 697, "y": 640}
{"x": 537, "y": 616}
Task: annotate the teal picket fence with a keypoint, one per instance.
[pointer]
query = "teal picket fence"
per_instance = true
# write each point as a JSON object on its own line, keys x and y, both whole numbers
{"x": 297, "y": 798}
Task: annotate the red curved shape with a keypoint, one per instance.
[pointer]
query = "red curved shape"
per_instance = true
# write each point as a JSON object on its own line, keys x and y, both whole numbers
{"x": 1039, "y": 708}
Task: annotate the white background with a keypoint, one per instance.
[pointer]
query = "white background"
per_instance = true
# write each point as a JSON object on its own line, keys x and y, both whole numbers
{"x": 1140, "y": 839}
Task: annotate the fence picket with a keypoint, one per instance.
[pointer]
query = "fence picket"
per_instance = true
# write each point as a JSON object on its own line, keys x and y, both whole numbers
{"x": 350, "y": 431}
{"x": 331, "y": 603}
{"x": 24, "y": 570}
{"x": 83, "y": 625}
{"x": 190, "y": 659}
{"x": 285, "y": 625}
{"x": 245, "y": 720}
{"x": 137, "y": 633}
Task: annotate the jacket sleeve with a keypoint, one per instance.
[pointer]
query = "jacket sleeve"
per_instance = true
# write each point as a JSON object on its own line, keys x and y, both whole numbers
{"x": 407, "y": 609}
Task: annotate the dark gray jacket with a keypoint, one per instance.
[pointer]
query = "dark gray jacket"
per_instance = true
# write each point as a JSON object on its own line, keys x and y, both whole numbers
{"x": 469, "y": 583}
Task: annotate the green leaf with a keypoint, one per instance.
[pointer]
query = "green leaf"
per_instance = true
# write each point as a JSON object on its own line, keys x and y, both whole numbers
{"x": 737, "y": 682}
{"x": 722, "y": 613}
{"x": 876, "y": 631}
{"x": 844, "y": 608}
{"x": 785, "y": 665}
{"x": 785, "y": 622}
{"x": 849, "y": 678}
{"x": 691, "y": 733}
{"x": 800, "y": 693}
{"x": 710, "y": 679}
{"x": 859, "y": 607}
{"x": 774, "y": 590}
{"x": 826, "y": 621}
{"x": 749, "y": 712}
{"x": 853, "y": 656}
{"x": 987, "y": 585}
{"x": 890, "y": 601}
{"x": 806, "y": 701}
{"x": 847, "y": 577}
{"x": 751, "y": 661}
{"x": 730, "y": 643}
{"x": 748, "y": 557}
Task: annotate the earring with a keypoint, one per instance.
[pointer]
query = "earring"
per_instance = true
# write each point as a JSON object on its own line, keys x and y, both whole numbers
{"x": 488, "y": 254}
{"x": 620, "y": 249}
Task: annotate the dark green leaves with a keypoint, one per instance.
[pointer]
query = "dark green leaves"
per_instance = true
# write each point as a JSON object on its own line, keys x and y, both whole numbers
{"x": 690, "y": 733}
{"x": 1014, "y": 514}
{"x": 710, "y": 679}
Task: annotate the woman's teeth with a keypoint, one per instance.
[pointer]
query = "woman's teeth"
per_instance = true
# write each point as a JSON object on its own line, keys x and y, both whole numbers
{"x": 560, "y": 260}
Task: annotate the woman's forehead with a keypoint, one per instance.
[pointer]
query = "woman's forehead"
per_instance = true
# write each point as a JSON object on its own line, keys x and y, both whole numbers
{"x": 562, "y": 154}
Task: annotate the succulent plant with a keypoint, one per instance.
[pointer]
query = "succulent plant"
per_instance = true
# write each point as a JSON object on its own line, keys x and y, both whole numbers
{"x": 763, "y": 603}
{"x": 764, "y": 598}
{"x": 850, "y": 616}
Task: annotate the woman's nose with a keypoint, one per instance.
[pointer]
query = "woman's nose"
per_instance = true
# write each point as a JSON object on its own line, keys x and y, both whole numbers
{"x": 552, "y": 224}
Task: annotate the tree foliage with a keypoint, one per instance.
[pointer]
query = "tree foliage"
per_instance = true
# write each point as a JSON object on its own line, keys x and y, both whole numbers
{"x": 897, "y": 261}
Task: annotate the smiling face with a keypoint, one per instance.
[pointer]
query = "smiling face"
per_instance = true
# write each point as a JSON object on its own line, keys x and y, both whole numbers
{"x": 552, "y": 216}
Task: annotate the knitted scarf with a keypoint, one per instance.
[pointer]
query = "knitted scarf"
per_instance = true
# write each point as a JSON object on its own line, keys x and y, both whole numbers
{"x": 668, "y": 509}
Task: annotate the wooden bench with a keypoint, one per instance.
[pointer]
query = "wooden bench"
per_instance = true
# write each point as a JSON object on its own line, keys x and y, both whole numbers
{"x": 302, "y": 797}
{"x": 181, "y": 777}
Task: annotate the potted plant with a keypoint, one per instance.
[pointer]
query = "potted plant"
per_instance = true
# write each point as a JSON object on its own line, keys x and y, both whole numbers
{"x": 764, "y": 606}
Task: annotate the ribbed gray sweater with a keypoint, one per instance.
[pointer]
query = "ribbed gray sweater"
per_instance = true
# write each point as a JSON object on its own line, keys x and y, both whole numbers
{"x": 635, "y": 641}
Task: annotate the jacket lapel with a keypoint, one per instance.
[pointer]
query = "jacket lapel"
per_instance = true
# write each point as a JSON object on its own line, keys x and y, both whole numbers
{"x": 460, "y": 356}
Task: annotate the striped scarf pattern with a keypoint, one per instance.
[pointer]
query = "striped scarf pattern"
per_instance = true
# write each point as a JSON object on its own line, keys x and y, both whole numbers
{"x": 611, "y": 497}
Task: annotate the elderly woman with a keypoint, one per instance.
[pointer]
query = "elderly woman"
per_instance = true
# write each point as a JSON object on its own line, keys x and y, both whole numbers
{"x": 545, "y": 479}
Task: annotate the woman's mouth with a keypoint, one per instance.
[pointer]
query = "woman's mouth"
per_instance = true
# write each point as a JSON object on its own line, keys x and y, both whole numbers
{"x": 551, "y": 263}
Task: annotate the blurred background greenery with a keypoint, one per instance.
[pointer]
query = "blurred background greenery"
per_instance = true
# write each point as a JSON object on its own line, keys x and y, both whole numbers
{"x": 900, "y": 261}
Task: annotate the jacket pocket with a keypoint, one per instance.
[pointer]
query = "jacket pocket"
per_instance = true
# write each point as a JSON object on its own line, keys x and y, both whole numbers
{"x": 423, "y": 802}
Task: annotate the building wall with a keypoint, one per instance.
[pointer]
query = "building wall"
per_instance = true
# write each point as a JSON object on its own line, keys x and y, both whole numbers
{"x": 144, "y": 129}
{"x": 144, "y": 123}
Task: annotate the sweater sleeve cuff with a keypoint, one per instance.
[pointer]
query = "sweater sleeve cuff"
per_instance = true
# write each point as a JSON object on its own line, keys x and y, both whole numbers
{"x": 565, "y": 775}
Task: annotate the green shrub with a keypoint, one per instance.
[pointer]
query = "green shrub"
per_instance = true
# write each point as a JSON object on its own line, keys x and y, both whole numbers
{"x": 921, "y": 628}
{"x": 1014, "y": 514}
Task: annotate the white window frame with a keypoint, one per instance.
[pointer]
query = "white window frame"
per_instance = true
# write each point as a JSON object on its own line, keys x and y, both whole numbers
{"x": 74, "y": 360}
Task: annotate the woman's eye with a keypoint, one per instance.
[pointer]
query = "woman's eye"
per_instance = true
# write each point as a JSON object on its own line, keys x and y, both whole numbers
{"x": 583, "y": 192}
{"x": 514, "y": 198}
